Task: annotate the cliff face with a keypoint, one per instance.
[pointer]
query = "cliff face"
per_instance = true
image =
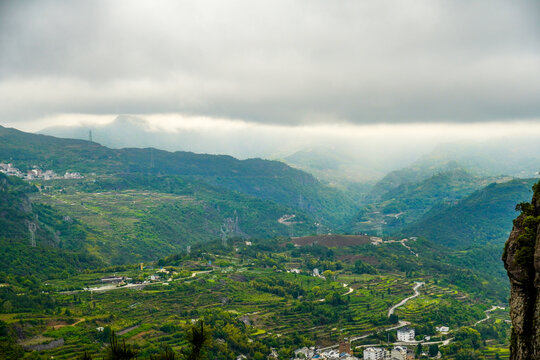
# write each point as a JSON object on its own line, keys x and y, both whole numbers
{"x": 522, "y": 262}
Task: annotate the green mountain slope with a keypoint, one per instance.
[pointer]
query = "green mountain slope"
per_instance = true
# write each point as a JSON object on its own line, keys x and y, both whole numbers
{"x": 407, "y": 202}
{"x": 269, "y": 180}
{"x": 415, "y": 173}
{"x": 50, "y": 248}
{"x": 483, "y": 217}
{"x": 134, "y": 217}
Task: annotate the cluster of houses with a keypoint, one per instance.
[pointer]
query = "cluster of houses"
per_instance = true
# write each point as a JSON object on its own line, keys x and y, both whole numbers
{"x": 123, "y": 280}
{"x": 397, "y": 353}
{"x": 342, "y": 353}
{"x": 115, "y": 279}
{"x": 36, "y": 173}
{"x": 370, "y": 353}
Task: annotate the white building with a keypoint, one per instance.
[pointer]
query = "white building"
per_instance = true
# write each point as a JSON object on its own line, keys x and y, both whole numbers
{"x": 405, "y": 334}
{"x": 330, "y": 355}
{"x": 442, "y": 329}
{"x": 72, "y": 175}
{"x": 304, "y": 353}
{"x": 375, "y": 353}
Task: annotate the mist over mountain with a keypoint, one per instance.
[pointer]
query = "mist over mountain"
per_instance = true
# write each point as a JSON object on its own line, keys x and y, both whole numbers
{"x": 518, "y": 157}
{"x": 338, "y": 157}
{"x": 132, "y": 131}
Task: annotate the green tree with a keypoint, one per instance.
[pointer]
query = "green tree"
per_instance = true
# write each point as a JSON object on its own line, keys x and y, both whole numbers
{"x": 199, "y": 338}
{"x": 166, "y": 354}
{"x": 468, "y": 337}
{"x": 433, "y": 350}
{"x": 419, "y": 350}
{"x": 86, "y": 356}
{"x": 118, "y": 351}
{"x": 7, "y": 306}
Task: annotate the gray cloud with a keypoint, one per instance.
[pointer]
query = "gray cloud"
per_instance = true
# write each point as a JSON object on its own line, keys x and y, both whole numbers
{"x": 273, "y": 62}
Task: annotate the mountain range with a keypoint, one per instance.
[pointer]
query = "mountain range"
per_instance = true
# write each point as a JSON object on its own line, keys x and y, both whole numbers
{"x": 136, "y": 204}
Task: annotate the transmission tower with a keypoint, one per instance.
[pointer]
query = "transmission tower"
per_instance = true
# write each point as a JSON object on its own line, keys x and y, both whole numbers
{"x": 90, "y": 135}
{"x": 32, "y": 228}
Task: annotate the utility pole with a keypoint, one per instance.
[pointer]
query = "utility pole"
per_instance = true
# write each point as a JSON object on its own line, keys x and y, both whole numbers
{"x": 90, "y": 135}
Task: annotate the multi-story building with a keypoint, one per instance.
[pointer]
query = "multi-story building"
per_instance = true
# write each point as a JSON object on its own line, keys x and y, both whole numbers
{"x": 375, "y": 353}
{"x": 401, "y": 353}
{"x": 405, "y": 334}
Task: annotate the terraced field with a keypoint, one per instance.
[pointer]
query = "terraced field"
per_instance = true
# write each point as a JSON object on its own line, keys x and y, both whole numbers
{"x": 254, "y": 285}
{"x": 130, "y": 226}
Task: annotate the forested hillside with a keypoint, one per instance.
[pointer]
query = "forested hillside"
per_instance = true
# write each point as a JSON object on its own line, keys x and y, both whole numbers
{"x": 405, "y": 203}
{"x": 269, "y": 180}
{"x": 36, "y": 241}
{"x": 135, "y": 217}
{"x": 483, "y": 217}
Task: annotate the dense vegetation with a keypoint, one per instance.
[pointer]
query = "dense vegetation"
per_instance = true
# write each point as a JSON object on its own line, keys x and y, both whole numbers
{"x": 32, "y": 237}
{"x": 528, "y": 221}
{"x": 482, "y": 217}
{"x": 132, "y": 217}
{"x": 406, "y": 203}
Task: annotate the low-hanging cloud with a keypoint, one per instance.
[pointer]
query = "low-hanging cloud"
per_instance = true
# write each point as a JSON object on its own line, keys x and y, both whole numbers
{"x": 275, "y": 62}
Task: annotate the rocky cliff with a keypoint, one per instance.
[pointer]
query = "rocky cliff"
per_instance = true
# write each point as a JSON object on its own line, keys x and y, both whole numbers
{"x": 522, "y": 262}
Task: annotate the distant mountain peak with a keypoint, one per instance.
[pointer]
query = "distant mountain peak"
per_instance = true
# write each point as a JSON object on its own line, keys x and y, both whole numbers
{"x": 129, "y": 120}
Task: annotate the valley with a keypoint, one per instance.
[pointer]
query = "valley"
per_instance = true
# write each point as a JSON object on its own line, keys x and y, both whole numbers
{"x": 268, "y": 257}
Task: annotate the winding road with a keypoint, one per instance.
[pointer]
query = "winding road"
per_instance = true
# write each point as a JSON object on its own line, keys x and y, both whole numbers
{"x": 493, "y": 308}
{"x": 348, "y": 292}
{"x": 404, "y": 301}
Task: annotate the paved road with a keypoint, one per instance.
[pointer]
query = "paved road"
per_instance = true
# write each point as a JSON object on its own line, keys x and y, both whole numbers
{"x": 487, "y": 314}
{"x": 350, "y": 289}
{"x": 400, "y": 324}
{"x": 404, "y": 301}
{"x": 195, "y": 273}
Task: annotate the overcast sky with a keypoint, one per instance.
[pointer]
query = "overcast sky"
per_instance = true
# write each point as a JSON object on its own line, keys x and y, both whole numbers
{"x": 279, "y": 62}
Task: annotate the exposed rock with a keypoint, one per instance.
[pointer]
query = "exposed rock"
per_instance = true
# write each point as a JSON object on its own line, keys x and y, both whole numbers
{"x": 25, "y": 205}
{"x": 245, "y": 319}
{"x": 522, "y": 261}
{"x": 40, "y": 347}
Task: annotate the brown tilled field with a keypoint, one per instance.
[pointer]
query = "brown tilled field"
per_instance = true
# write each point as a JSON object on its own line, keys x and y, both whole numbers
{"x": 332, "y": 240}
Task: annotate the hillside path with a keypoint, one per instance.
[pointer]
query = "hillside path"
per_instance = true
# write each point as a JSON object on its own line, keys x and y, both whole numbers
{"x": 488, "y": 316}
{"x": 404, "y": 301}
{"x": 350, "y": 289}
{"x": 195, "y": 273}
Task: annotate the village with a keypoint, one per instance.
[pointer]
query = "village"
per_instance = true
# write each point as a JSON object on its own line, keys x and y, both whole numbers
{"x": 408, "y": 345}
{"x": 36, "y": 173}
{"x": 400, "y": 350}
